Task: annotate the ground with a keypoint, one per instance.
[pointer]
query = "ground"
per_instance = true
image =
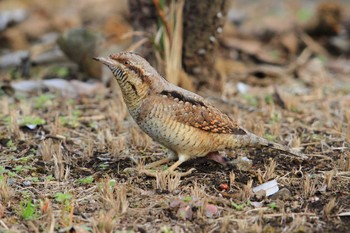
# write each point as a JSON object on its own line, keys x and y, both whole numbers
{"x": 70, "y": 162}
{"x": 71, "y": 170}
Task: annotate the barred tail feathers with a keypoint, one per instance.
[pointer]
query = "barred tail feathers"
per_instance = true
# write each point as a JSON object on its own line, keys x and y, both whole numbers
{"x": 252, "y": 140}
{"x": 286, "y": 149}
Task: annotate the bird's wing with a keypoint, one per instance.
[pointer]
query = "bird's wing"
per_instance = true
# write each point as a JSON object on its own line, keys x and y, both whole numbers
{"x": 191, "y": 109}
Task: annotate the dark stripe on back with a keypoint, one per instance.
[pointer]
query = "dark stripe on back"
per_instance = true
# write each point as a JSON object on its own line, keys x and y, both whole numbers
{"x": 183, "y": 98}
{"x": 239, "y": 131}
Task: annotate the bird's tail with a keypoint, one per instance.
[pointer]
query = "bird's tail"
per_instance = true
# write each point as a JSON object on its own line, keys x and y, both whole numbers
{"x": 256, "y": 141}
{"x": 286, "y": 149}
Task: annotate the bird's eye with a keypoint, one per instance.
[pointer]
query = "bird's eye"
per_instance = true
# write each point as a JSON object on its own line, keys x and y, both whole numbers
{"x": 126, "y": 62}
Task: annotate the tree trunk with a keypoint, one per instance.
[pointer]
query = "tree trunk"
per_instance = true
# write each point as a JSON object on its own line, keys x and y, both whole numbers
{"x": 203, "y": 22}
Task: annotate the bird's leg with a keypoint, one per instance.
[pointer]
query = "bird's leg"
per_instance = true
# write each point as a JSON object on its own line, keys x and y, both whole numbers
{"x": 172, "y": 168}
{"x": 182, "y": 158}
{"x": 148, "y": 167}
{"x": 170, "y": 157}
{"x": 159, "y": 162}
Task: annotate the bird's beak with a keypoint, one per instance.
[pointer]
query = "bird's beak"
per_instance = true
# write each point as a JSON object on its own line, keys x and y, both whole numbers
{"x": 105, "y": 61}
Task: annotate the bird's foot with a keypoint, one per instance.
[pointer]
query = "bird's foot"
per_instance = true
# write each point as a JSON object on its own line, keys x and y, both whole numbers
{"x": 148, "y": 167}
{"x": 155, "y": 174}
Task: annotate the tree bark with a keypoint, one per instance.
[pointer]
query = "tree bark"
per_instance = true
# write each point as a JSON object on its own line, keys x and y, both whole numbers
{"x": 203, "y": 22}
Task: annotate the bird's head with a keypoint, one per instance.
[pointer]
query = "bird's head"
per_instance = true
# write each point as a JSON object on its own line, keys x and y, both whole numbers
{"x": 135, "y": 76}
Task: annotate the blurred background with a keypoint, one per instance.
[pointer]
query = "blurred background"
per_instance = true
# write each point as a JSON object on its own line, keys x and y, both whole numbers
{"x": 194, "y": 45}
{"x": 281, "y": 69}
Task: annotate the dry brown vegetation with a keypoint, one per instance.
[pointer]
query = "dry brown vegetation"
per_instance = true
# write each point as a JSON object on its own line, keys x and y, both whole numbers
{"x": 78, "y": 171}
{"x": 86, "y": 163}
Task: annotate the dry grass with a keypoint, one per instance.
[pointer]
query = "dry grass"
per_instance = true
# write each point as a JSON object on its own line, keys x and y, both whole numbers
{"x": 6, "y": 192}
{"x": 75, "y": 174}
{"x": 173, "y": 43}
{"x": 309, "y": 187}
{"x": 116, "y": 199}
{"x": 113, "y": 197}
{"x": 329, "y": 207}
{"x": 171, "y": 31}
{"x": 232, "y": 177}
{"x": 166, "y": 181}
{"x": 344, "y": 162}
{"x": 14, "y": 128}
{"x": 60, "y": 170}
{"x": 90, "y": 164}
{"x": 329, "y": 178}
{"x": 104, "y": 222}
{"x": 72, "y": 173}
{"x": 246, "y": 192}
{"x": 269, "y": 172}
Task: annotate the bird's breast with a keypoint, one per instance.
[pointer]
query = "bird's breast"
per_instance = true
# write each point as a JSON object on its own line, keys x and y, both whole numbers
{"x": 160, "y": 123}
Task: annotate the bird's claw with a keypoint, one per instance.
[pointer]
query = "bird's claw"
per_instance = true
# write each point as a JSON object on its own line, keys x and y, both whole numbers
{"x": 151, "y": 173}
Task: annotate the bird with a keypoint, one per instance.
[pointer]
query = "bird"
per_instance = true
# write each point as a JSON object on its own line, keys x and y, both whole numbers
{"x": 182, "y": 121}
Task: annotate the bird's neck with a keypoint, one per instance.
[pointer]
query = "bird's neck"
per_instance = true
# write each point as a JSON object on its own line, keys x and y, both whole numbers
{"x": 134, "y": 94}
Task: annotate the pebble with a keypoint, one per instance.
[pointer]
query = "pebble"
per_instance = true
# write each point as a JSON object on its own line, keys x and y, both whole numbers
{"x": 283, "y": 194}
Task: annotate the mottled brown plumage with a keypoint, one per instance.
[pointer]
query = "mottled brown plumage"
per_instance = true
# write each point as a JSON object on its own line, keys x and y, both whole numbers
{"x": 181, "y": 120}
{"x": 199, "y": 114}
